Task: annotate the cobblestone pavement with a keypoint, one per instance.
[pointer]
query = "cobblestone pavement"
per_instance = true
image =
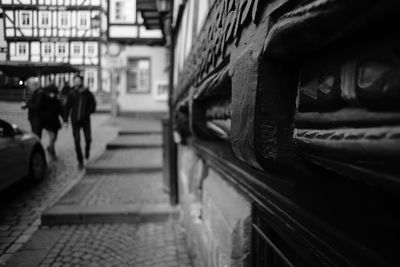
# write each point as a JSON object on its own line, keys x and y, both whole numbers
{"x": 131, "y": 158}
{"x": 127, "y": 189}
{"x": 138, "y": 124}
{"x": 119, "y": 245}
{"x": 22, "y": 205}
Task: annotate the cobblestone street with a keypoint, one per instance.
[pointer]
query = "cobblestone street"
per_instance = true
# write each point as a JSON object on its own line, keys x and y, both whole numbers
{"x": 114, "y": 214}
{"x": 119, "y": 245}
{"x": 21, "y": 206}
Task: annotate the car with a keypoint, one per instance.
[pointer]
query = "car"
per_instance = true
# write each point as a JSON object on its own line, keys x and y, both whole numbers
{"x": 21, "y": 156}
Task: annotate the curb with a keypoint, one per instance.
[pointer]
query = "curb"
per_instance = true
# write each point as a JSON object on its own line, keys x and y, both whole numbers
{"x": 105, "y": 214}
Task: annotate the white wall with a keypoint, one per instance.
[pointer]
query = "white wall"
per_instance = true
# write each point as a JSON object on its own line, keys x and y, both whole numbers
{"x": 3, "y": 43}
{"x": 143, "y": 102}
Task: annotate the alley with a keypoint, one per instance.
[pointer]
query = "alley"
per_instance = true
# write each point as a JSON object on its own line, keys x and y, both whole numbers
{"x": 116, "y": 213}
{"x": 22, "y": 205}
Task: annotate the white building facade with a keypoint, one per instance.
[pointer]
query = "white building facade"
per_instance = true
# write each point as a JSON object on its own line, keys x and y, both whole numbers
{"x": 57, "y": 31}
{"x": 139, "y": 73}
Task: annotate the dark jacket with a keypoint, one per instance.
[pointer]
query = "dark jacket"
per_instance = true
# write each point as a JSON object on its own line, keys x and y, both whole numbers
{"x": 80, "y": 105}
{"x": 53, "y": 111}
{"x": 36, "y": 104}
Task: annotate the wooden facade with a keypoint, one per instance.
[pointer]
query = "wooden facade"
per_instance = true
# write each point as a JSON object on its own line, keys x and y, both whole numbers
{"x": 57, "y": 31}
{"x": 295, "y": 105}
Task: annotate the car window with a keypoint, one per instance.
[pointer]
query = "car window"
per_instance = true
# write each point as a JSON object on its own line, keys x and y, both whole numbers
{"x": 6, "y": 129}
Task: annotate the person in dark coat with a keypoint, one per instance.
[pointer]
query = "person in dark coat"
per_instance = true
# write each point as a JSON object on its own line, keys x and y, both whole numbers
{"x": 65, "y": 90}
{"x": 53, "y": 111}
{"x": 35, "y": 104}
{"x": 80, "y": 105}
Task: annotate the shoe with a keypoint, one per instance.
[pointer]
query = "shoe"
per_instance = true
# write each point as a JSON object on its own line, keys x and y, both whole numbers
{"x": 80, "y": 166}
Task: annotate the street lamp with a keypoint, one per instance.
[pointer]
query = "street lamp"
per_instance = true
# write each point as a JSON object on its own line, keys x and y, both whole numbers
{"x": 163, "y": 6}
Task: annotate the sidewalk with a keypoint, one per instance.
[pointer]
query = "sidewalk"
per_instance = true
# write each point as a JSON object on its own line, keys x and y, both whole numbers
{"x": 117, "y": 215}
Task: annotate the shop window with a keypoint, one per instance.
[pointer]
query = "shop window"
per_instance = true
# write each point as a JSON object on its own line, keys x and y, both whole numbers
{"x": 91, "y": 76}
{"x": 138, "y": 76}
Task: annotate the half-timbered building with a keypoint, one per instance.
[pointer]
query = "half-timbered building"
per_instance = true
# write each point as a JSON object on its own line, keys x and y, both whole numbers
{"x": 138, "y": 58}
{"x": 286, "y": 116}
{"x": 57, "y": 31}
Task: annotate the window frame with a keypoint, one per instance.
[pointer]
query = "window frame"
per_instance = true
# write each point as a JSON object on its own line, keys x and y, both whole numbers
{"x": 60, "y": 19}
{"x": 91, "y": 45}
{"x": 73, "y": 50}
{"x": 58, "y": 46}
{"x": 22, "y": 25}
{"x": 86, "y": 16}
{"x": 149, "y": 89}
{"x": 45, "y": 45}
{"x": 41, "y": 16}
{"x": 18, "y": 49}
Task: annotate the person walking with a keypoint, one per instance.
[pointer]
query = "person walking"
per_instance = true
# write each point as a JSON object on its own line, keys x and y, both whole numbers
{"x": 35, "y": 104}
{"x": 80, "y": 105}
{"x": 65, "y": 90}
{"x": 53, "y": 111}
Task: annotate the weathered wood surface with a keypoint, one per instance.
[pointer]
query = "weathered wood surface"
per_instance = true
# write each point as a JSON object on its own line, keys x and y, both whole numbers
{"x": 270, "y": 67}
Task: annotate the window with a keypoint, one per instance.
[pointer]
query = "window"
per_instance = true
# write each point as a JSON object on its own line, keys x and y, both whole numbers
{"x": 83, "y": 20}
{"x": 44, "y": 19}
{"x": 63, "y": 19}
{"x": 90, "y": 49}
{"x": 22, "y": 50}
{"x": 62, "y": 50}
{"x": 26, "y": 19}
{"x": 138, "y": 76}
{"x": 90, "y": 79}
{"x": 76, "y": 49}
{"x": 47, "y": 49}
{"x": 161, "y": 90}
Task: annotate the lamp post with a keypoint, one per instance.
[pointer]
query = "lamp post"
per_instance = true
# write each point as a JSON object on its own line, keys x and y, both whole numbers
{"x": 171, "y": 174}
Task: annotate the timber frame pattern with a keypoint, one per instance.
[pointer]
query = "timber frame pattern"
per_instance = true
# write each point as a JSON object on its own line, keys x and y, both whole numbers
{"x": 300, "y": 89}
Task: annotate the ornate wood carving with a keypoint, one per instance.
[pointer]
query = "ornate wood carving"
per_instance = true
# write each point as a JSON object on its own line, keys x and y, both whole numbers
{"x": 254, "y": 58}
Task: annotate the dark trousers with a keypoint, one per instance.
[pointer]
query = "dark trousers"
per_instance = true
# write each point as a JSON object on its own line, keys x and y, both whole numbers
{"x": 36, "y": 127}
{"x": 76, "y": 129}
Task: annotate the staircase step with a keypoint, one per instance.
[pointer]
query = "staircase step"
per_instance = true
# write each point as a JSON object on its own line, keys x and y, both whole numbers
{"x": 136, "y": 141}
{"x": 128, "y": 161}
{"x": 133, "y": 213}
{"x": 138, "y": 132}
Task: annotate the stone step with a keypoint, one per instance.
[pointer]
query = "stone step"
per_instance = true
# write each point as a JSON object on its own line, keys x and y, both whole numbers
{"x": 137, "y": 160}
{"x": 114, "y": 213}
{"x": 138, "y": 132}
{"x": 136, "y": 141}
{"x": 117, "y": 189}
{"x": 136, "y": 124}
{"x": 132, "y": 198}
